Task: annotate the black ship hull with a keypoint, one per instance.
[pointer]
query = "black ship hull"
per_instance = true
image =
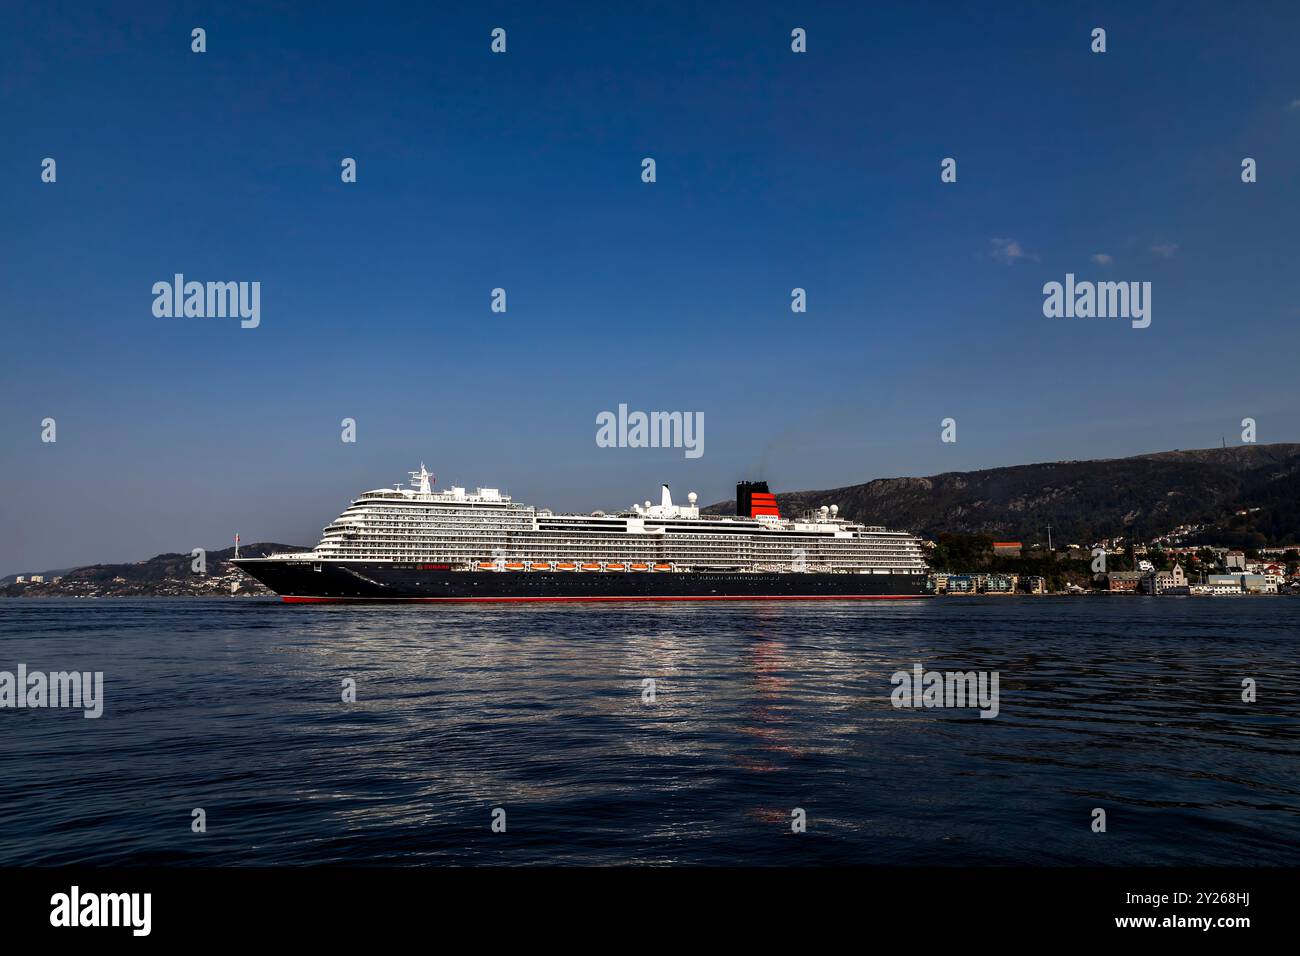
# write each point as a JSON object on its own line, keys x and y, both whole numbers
{"x": 308, "y": 582}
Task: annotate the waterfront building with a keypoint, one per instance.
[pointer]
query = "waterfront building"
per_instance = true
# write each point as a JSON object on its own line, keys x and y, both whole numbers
{"x": 1166, "y": 582}
{"x": 1119, "y": 581}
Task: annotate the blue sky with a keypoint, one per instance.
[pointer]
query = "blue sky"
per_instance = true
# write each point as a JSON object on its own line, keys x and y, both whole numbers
{"x": 522, "y": 171}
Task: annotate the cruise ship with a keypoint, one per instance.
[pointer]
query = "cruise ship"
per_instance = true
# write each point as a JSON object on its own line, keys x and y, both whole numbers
{"x": 418, "y": 544}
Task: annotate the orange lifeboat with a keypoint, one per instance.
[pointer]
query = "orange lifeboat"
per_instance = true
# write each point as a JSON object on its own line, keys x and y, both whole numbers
{"x": 640, "y": 567}
{"x": 616, "y": 567}
{"x": 514, "y": 565}
{"x": 663, "y": 567}
{"x": 591, "y": 566}
{"x": 566, "y": 566}
{"x": 539, "y": 566}
{"x": 486, "y": 566}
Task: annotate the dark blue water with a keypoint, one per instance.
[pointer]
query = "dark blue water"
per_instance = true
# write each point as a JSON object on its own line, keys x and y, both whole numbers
{"x": 1129, "y": 704}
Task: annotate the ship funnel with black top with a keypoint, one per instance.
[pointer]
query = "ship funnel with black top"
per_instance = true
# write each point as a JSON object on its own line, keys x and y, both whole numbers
{"x": 753, "y": 500}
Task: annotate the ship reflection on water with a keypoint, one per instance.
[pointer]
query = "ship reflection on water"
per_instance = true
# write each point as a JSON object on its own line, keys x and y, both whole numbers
{"x": 657, "y": 734}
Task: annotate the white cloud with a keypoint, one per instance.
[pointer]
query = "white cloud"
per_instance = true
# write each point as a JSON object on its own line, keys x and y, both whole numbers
{"x": 1010, "y": 251}
{"x": 1103, "y": 258}
{"x": 1165, "y": 250}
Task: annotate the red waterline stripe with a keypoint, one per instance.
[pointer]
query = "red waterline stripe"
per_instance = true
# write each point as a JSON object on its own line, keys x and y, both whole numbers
{"x": 295, "y": 599}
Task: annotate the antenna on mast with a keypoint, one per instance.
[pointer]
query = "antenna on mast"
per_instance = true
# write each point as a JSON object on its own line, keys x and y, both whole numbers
{"x": 424, "y": 479}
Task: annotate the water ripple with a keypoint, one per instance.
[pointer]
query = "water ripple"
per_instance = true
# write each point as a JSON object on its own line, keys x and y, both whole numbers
{"x": 1133, "y": 705}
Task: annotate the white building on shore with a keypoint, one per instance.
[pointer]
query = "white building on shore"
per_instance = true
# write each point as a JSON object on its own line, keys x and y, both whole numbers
{"x": 1173, "y": 581}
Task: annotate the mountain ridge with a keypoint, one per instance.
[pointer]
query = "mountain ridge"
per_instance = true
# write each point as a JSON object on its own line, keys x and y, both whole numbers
{"x": 1241, "y": 496}
{"x": 1086, "y": 500}
{"x": 167, "y": 574}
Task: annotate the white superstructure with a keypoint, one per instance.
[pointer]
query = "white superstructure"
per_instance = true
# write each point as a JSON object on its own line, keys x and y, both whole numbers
{"x": 461, "y": 528}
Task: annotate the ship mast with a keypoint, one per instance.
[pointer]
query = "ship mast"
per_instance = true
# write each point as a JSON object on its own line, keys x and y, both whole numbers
{"x": 422, "y": 480}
